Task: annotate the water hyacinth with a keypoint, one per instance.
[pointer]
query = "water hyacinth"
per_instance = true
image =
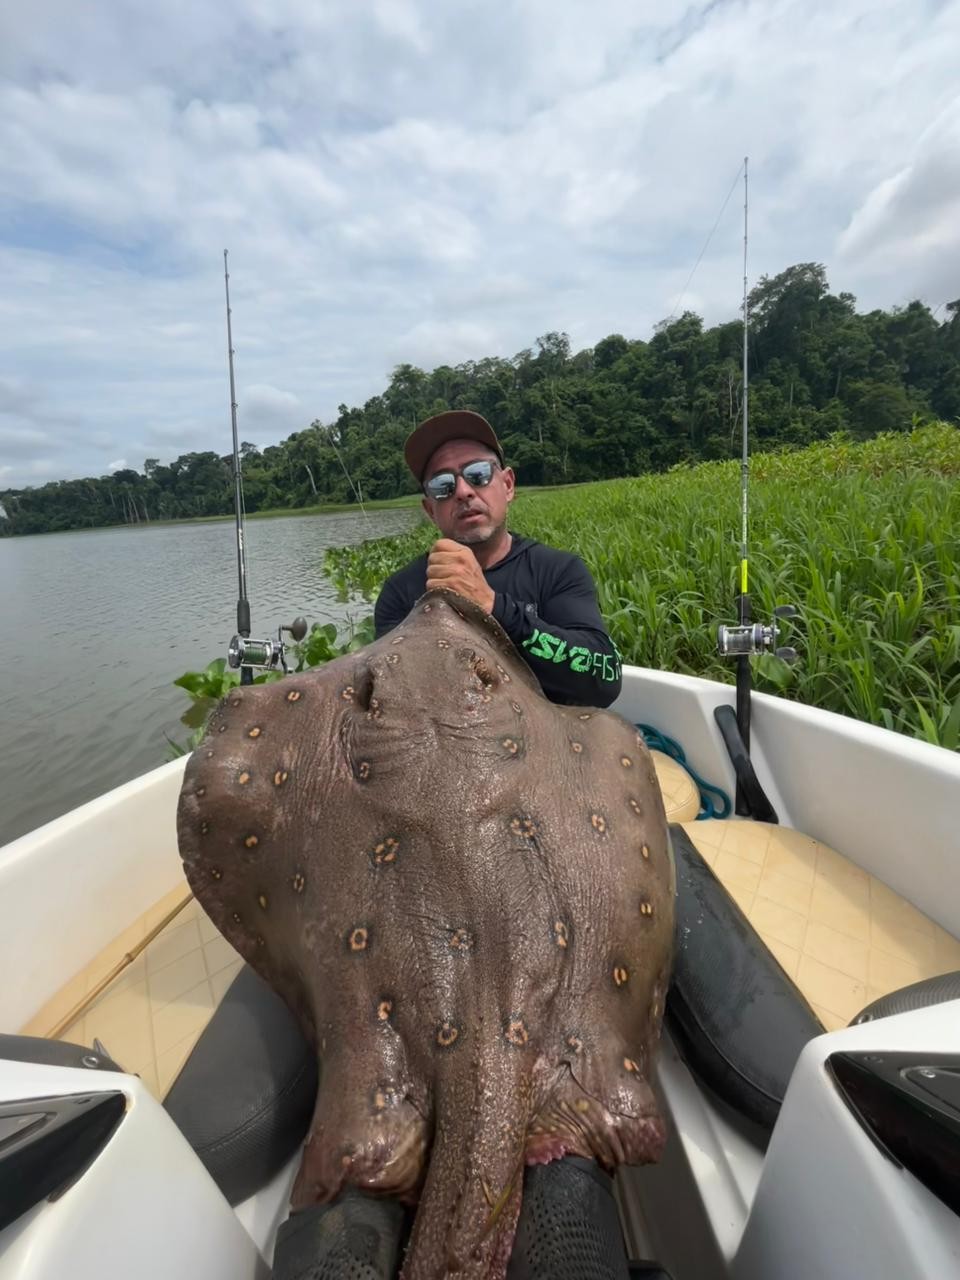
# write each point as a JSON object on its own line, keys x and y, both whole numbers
{"x": 864, "y": 538}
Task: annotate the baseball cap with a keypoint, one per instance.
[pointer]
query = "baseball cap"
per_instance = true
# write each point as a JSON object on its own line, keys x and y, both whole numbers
{"x": 455, "y": 424}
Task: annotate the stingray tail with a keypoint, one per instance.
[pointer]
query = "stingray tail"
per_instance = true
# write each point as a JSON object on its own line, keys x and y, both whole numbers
{"x": 467, "y": 1218}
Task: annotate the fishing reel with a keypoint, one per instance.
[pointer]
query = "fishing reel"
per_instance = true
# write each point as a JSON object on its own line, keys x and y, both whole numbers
{"x": 752, "y": 638}
{"x": 266, "y": 654}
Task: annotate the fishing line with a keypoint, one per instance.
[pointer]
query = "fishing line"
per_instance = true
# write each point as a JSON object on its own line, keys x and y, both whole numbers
{"x": 707, "y": 242}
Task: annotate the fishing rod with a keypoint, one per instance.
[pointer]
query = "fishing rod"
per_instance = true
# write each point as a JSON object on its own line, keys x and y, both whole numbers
{"x": 243, "y": 652}
{"x": 747, "y": 639}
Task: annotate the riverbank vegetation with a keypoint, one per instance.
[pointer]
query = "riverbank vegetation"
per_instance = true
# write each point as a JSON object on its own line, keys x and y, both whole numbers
{"x": 626, "y": 407}
{"x": 864, "y": 538}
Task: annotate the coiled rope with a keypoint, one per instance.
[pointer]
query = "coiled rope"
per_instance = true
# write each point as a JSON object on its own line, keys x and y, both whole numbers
{"x": 657, "y": 741}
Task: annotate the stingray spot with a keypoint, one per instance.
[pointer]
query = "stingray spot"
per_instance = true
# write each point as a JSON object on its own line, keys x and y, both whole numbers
{"x": 204, "y": 828}
{"x": 448, "y": 1033}
{"x": 235, "y": 701}
{"x": 299, "y": 882}
{"x": 620, "y": 976}
{"x": 517, "y": 708}
{"x": 215, "y": 873}
{"x": 631, "y": 1066}
{"x": 294, "y": 695}
{"x": 599, "y": 823}
{"x": 254, "y": 732}
{"x": 644, "y": 851}
{"x": 561, "y": 934}
{"x": 443, "y": 644}
{"x": 383, "y": 1096}
{"x": 374, "y": 711}
{"x": 626, "y": 762}
{"x": 346, "y": 693}
{"x": 427, "y": 608}
{"x": 515, "y": 1031}
{"x": 582, "y": 1105}
{"x": 574, "y": 1043}
{"x": 526, "y": 828}
{"x": 200, "y": 791}
{"x": 398, "y": 639}
{"x": 577, "y": 747}
{"x": 260, "y": 940}
{"x": 222, "y": 728}
{"x": 280, "y": 777}
{"x": 251, "y": 841}
{"x": 504, "y": 674}
{"x": 637, "y": 808}
{"x": 244, "y": 778}
{"x": 358, "y": 939}
{"x": 393, "y": 659}
{"x": 262, "y": 899}
{"x": 511, "y": 746}
{"x": 384, "y": 1010}
{"x": 385, "y": 853}
{"x": 646, "y": 908}
{"x": 461, "y": 940}
{"x": 584, "y": 715}
{"x": 363, "y": 770}
{"x": 235, "y": 917}
{"x": 209, "y": 755}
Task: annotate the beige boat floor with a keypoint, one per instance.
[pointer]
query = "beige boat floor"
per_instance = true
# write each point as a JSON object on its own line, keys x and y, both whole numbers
{"x": 842, "y": 936}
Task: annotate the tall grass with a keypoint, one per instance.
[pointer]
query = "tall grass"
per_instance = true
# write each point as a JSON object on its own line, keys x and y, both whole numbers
{"x": 864, "y": 538}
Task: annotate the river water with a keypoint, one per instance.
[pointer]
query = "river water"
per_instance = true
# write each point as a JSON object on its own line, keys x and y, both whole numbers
{"x": 97, "y": 625}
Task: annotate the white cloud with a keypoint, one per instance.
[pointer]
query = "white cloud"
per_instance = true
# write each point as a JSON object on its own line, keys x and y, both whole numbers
{"x": 406, "y": 181}
{"x": 270, "y": 410}
{"x": 909, "y": 221}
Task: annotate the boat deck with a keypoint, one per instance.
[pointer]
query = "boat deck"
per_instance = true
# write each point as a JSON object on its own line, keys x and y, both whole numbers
{"x": 840, "y": 934}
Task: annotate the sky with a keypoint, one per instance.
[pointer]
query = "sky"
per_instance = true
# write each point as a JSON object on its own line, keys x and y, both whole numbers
{"x": 429, "y": 181}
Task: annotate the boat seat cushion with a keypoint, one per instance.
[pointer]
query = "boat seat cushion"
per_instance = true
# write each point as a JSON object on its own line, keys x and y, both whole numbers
{"x": 681, "y": 796}
{"x": 739, "y": 1020}
{"x": 246, "y": 1093}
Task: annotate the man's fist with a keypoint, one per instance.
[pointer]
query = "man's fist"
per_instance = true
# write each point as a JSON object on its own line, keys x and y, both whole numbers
{"x": 454, "y": 567}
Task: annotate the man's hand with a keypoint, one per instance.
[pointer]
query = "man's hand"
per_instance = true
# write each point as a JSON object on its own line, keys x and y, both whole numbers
{"x": 454, "y": 567}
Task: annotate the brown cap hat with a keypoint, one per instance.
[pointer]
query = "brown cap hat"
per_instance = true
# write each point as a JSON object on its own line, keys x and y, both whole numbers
{"x": 455, "y": 424}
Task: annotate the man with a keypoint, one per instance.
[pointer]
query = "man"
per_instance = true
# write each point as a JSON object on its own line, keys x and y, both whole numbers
{"x": 544, "y": 599}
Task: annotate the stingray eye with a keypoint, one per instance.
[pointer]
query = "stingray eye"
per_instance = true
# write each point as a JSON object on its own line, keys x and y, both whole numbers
{"x": 363, "y": 689}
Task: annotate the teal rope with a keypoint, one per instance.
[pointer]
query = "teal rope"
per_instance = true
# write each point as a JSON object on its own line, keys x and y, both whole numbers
{"x": 658, "y": 741}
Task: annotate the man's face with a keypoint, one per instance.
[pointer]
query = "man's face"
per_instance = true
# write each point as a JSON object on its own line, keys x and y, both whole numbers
{"x": 469, "y": 515}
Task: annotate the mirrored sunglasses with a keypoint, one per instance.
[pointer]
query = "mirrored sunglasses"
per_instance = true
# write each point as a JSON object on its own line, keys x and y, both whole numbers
{"x": 477, "y": 475}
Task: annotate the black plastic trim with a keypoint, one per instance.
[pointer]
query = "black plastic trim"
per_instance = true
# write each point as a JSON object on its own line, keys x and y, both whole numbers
{"x": 47, "y": 1143}
{"x": 747, "y": 781}
{"x": 53, "y": 1053}
{"x": 909, "y": 1105}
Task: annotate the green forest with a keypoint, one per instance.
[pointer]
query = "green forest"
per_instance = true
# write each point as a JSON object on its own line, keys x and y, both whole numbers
{"x": 626, "y": 407}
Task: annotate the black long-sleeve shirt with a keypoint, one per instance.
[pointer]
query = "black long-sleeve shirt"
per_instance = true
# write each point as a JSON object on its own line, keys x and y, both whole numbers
{"x": 546, "y": 602}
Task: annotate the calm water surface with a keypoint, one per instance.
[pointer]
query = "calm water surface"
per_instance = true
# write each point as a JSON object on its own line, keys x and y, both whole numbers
{"x": 98, "y": 624}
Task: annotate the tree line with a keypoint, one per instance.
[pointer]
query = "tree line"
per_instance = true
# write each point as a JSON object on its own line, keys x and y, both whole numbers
{"x": 624, "y": 407}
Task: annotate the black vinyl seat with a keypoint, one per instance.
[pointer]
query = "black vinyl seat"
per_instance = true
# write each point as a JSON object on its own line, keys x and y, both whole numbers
{"x": 739, "y": 1020}
{"x": 246, "y": 1093}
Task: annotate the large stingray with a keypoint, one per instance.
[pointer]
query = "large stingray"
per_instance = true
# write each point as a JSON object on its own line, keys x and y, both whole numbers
{"x": 465, "y": 894}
